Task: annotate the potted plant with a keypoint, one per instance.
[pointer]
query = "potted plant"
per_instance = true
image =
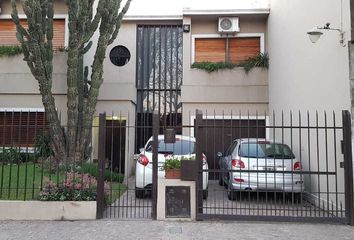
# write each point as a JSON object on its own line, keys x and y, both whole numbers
{"x": 172, "y": 167}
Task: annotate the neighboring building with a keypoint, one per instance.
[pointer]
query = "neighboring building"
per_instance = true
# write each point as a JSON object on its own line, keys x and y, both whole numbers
{"x": 156, "y": 70}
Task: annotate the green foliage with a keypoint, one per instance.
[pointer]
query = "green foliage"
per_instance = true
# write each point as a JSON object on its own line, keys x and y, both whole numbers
{"x": 92, "y": 169}
{"x": 191, "y": 158}
{"x": 68, "y": 194}
{"x": 261, "y": 60}
{"x": 43, "y": 148}
{"x": 10, "y": 155}
{"x": 172, "y": 163}
{"x": 213, "y": 67}
{"x": 7, "y": 51}
{"x": 75, "y": 187}
{"x": 13, "y": 155}
{"x": 25, "y": 181}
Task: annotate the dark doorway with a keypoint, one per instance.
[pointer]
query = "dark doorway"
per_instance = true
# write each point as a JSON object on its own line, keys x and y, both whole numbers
{"x": 115, "y": 144}
{"x": 218, "y": 134}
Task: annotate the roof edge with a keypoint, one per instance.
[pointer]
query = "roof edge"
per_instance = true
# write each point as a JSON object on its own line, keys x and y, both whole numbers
{"x": 152, "y": 17}
{"x": 189, "y": 12}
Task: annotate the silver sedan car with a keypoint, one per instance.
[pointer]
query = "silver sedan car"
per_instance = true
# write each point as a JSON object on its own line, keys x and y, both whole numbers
{"x": 260, "y": 165}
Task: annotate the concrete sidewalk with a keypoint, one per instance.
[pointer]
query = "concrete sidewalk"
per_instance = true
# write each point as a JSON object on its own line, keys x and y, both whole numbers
{"x": 148, "y": 229}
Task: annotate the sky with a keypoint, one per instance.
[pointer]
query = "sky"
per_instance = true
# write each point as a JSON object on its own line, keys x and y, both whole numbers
{"x": 175, "y": 7}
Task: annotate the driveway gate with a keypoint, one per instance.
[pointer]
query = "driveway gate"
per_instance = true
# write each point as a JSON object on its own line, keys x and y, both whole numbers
{"x": 321, "y": 145}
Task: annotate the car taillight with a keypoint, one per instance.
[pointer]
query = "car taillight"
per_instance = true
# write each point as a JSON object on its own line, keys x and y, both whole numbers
{"x": 143, "y": 160}
{"x": 239, "y": 180}
{"x": 204, "y": 159}
{"x": 297, "y": 166}
{"x": 237, "y": 163}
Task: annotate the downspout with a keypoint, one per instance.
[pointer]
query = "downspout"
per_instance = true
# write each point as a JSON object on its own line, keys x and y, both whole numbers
{"x": 351, "y": 60}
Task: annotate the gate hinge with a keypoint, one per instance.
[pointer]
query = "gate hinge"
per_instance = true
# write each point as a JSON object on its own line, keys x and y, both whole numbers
{"x": 341, "y": 164}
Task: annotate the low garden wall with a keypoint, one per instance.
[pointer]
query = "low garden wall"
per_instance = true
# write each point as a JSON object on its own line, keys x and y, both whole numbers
{"x": 40, "y": 210}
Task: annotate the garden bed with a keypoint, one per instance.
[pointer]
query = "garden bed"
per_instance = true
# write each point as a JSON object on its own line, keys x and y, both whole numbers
{"x": 23, "y": 181}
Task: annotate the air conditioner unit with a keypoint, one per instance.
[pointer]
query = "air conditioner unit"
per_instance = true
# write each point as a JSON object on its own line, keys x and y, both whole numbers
{"x": 228, "y": 25}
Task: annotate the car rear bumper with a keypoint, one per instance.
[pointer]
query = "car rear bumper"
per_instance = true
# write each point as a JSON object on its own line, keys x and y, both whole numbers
{"x": 268, "y": 182}
{"x": 143, "y": 177}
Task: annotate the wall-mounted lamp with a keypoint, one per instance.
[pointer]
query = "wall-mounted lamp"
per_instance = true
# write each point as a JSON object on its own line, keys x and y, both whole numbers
{"x": 315, "y": 33}
{"x": 186, "y": 28}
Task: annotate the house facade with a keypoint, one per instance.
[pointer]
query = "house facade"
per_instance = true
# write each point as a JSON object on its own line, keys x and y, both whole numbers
{"x": 148, "y": 67}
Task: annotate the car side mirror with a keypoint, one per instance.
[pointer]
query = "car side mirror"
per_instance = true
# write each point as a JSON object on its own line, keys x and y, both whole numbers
{"x": 219, "y": 154}
{"x": 142, "y": 150}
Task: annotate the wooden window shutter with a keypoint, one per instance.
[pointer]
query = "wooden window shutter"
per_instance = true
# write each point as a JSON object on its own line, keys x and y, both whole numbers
{"x": 19, "y": 129}
{"x": 241, "y": 49}
{"x": 210, "y": 50}
{"x": 8, "y": 32}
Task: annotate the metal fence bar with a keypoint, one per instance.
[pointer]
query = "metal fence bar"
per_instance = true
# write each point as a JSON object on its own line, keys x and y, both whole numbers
{"x": 101, "y": 167}
{"x": 199, "y": 183}
{"x": 155, "y": 131}
{"x": 348, "y": 167}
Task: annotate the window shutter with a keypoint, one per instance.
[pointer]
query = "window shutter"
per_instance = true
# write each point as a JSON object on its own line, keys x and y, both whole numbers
{"x": 241, "y": 49}
{"x": 8, "y": 32}
{"x": 20, "y": 129}
{"x": 210, "y": 50}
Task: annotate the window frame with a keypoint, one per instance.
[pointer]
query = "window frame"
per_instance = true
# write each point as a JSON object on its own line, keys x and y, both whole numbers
{"x": 238, "y": 35}
{"x": 64, "y": 17}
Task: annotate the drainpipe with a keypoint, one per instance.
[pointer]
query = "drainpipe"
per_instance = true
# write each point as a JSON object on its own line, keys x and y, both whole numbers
{"x": 351, "y": 60}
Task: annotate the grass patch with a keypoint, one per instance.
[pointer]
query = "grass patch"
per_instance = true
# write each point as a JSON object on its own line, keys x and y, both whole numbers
{"x": 117, "y": 190}
{"x": 23, "y": 181}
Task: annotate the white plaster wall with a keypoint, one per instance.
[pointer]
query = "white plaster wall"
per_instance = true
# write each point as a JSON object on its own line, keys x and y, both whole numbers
{"x": 119, "y": 82}
{"x": 303, "y": 75}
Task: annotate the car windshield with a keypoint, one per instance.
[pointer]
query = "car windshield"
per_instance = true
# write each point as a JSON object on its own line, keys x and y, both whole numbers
{"x": 180, "y": 147}
{"x": 266, "y": 150}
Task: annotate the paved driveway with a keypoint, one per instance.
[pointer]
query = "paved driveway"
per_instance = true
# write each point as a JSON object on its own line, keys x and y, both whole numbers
{"x": 129, "y": 207}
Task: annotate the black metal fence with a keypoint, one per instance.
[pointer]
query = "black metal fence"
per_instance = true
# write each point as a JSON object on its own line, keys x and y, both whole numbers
{"x": 291, "y": 167}
{"x": 28, "y": 170}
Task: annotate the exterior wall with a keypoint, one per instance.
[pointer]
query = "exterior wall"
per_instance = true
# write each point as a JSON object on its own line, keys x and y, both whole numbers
{"x": 228, "y": 89}
{"x": 59, "y": 6}
{"x": 20, "y": 89}
{"x": 309, "y": 77}
{"x": 303, "y": 75}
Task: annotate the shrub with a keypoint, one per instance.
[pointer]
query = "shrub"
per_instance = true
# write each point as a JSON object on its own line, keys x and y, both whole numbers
{"x": 261, "y": 60}
{"x": 43, "y": 148}
{"x": 75, "y": 187}
{"x": 10, "y": 155}
{"x": 92, "y": 168}
{"x": 10, "y": 50}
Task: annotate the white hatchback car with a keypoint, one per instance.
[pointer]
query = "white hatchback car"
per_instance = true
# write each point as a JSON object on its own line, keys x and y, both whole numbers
{"x": 260, "y": 165}
{"x": 183, "y": 147}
